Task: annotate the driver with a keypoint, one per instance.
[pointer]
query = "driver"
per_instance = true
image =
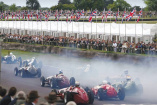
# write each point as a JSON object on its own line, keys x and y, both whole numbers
{"x": 12, "y": 56}
{"x": 60, "y": 72}
{"x": 77, "y": 84}
{"x": 128, "y": 78}
{"x": 32, "y": 61}
{"x": 104, "y": 82}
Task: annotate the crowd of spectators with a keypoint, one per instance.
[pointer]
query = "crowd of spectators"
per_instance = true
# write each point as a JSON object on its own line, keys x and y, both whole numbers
{"x": 84, "y": 43}
{"x": 12, "y": 97}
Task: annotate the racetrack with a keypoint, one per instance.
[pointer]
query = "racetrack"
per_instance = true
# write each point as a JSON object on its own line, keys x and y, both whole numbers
{"x": 27, "y": 84}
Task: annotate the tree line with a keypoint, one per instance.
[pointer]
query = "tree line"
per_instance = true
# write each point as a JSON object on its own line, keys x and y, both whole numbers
{"x": 82, "y": 4}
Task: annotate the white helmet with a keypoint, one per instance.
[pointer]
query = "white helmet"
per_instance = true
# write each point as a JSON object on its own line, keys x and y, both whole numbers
{"x": 128, "y": 77}
{"x": 77, "y": 84}
{"x": 11, "y": 53}
{"x": 104, "y": 82}
{"x": 33, "y": 57}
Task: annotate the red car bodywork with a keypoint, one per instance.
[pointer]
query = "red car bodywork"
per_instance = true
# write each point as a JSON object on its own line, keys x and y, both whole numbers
{"x": 79, "y": 94}
{"x": 64, "y": 82}
{"x": 110, "y": 90}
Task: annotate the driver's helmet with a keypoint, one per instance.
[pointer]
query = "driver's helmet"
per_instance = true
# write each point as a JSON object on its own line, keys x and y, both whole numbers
{"x": 33, "y": 58}
{"x": 128, "y": 78}
{"x": 77, "y": 84}
{"x": 126, "y": 72}
{"x": 104, "y": 82}
{"x": 60, "y": 72}
{"x": 11, "y": 54}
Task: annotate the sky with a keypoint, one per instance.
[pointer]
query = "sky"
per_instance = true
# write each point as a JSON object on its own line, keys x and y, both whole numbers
{"x": 50, "y": 3}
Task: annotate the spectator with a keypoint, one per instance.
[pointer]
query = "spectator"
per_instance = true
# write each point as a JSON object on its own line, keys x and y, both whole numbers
{"x": 32, "y": 98}
{"x": 10, "y": 97}
{"x": 71, "y": 103}
{"x": 51, "y": 99}
{"x": 2, "y": 93}
{"x": 20, "y": 99}
{"x": 114, "y": 46}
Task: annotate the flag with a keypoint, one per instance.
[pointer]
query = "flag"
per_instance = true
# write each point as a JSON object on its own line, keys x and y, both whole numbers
{"x": 108, "y": 14}
{"x": 140, "y": 14}
{"x": 12, "y": 15}
{"x": 67, "y": 18}
{"x": 103, "y": 15}
{"x": 117, "y": 14}
{"x": 131, "y": 15}
{"x": 23, "y": 15}
{"x": 46, "y": 16}
{"x": 15, "y": 16}
{"x": 71, "y": 15}
{"x": 90, "y": 17}
{"x": 28, "y": 14}
{"x": 31, "y": 15}
{"x": 124, "y": 14}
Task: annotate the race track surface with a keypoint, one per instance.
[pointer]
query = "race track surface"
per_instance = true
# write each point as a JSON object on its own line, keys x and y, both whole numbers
{"x": 8, "y": 79}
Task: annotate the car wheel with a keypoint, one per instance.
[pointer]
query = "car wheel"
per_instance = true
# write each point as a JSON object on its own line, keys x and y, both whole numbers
{"x": 40, "y": 64}
{"x": 100, "y": 94}
{"x": 121, "y": 93}
{"x": 42, "y": 81}
{"x": 72, "y": 81}
{"x": 53, "y": 83}
{"x": 39, "y": 72}
{"x": 140, "y": 89}
{"x": 20, "y": 61}
{"x": 2, "y": 59}
{"x": 23, "y": 73}
{"x": 90, "y": 95}
{"x": 16, "y": 71}
{"x": 67, "y": 97}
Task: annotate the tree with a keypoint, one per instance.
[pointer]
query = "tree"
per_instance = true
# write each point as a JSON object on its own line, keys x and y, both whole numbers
{"x": 92, "y": 4}
{"x": 13, "y": 7}
{"x": 151, "y": 5}
{"x": 121, "y": 4}
{"x": 24, "y": 8}
{"x": 3, "y": 6}
{"x": 32, "y": 4}
{"x": 64, "y": 7}
{"x": 64, "y": 2}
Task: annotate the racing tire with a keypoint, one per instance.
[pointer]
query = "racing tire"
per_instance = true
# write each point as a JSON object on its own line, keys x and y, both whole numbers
{"x": 23, "y": 74}
{"x": 40, "y": 64}
{"x": 140, "y": 89}
{"x": 90, "y": 95}
{"x": 53, "y": 83}
{"x": 100, "y": 94}
{"x": 72, "y": 81}
{"x": 42, "y": 81}
{"x": 2, "y": 59}
{"x": 121, "y": 93}
{"x": 54, "y": 90}
{"x": 38, "y": 72}
{"x": 20, "y": 61}
{"x": 16, "y": 71}
{"x": 67, "y": 97}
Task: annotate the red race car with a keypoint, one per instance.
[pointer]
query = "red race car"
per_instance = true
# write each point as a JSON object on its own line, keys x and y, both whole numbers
{"x": 76, "y": 94}
{"x": 57, "y": 81}
{"x": 106, "y": 91}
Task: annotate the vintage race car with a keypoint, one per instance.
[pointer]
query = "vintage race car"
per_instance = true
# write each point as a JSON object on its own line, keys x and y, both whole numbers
{"x": 106, "y": 91}
{"x": 76, "y": 94}
{"x": 130, "y": 87}
{"x": 11, "y": 59}
{"x": 28, "y": 71}
{"x": 57, "y": 81}
{"x": 32, "y": 61}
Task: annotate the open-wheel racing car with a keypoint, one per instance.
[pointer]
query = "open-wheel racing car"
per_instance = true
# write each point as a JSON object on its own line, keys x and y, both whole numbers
{"x": 131, "y": 87}
{"x": 28, "y": 70}
{"x": 106, "y": 91}
{"x": 11, "y": 59}
{"x": 76, "y": 94}
{"x": 57, "y": 81}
